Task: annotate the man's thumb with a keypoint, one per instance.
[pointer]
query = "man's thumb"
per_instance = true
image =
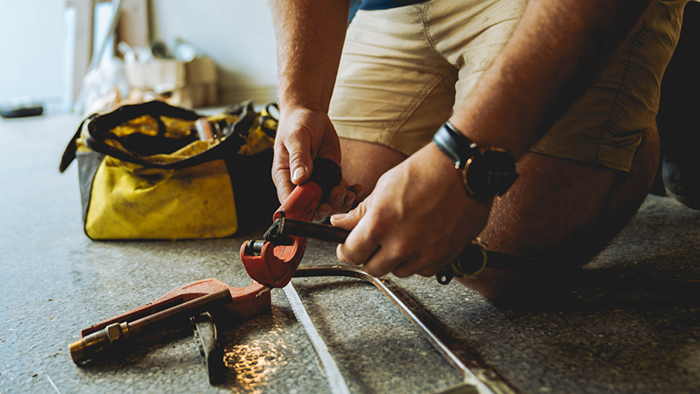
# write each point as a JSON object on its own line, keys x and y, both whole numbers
{"x": 349, "y": 220}
{"x": 300, "y": 163}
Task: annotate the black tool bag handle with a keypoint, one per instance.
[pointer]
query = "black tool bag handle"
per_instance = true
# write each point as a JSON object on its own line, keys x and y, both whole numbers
{"x": 98, "y": 127}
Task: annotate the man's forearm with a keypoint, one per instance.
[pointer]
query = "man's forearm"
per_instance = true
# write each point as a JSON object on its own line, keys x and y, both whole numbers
{"x": 555, "y": 53}
{"x": 310, "y": 35}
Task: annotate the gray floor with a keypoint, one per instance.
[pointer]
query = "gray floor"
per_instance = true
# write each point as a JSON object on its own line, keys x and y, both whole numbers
{"x": 54, "y": 281}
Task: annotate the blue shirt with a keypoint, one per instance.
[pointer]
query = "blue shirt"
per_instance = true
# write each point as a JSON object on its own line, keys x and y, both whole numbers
{"x": 384, "y": 4}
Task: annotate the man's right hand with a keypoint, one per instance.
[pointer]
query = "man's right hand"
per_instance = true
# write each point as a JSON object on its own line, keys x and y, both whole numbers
{"x": 304, "y": 134}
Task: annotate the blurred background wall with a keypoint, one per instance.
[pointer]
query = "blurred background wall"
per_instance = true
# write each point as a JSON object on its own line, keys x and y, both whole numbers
{"x": 33, "y": 61}
{"x": 38, "y": 45}
{"x": 237, "y": 34}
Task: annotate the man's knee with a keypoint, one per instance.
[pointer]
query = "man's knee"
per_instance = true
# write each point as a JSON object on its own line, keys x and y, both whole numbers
{"x": 564, "y": 212}
{"x": 554, "y": 203}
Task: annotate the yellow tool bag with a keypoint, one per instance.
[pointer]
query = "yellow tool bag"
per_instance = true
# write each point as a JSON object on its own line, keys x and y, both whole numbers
{"x": 154, "y": 171}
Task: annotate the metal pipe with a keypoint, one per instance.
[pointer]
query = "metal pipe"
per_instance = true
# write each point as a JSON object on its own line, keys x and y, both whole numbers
{"x": 285, "y": 227}
{"x": 335, "y": 378}
{"x": 482, "y": 379}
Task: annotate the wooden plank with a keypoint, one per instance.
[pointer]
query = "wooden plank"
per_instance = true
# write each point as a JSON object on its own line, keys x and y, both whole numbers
{"x": 84, "y": 20}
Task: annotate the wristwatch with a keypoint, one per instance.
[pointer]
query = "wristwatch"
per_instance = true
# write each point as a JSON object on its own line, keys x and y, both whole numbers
{"x": 485, "y": 172}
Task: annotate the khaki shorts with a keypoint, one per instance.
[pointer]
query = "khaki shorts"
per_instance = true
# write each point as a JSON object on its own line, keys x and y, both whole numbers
{"x": 404, "y": 69}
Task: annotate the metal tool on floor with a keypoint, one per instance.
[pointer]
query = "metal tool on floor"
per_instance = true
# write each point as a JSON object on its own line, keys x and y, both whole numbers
{"x": 274, "y": 264}
{"x": 477, "y": 378}
{"x": 117, "y": 333}
{"x": 212, "y": 352}
{"x": 189, "y": 300}
{"x": 335, "y": 378}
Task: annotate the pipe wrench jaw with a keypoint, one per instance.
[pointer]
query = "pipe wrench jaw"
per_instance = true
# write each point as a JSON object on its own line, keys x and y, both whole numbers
{"x": 247, "y": 301}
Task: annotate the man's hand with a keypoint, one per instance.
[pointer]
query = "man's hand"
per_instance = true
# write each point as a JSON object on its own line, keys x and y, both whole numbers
{"x": 303, "y": 135}
{"x": 310, "y": 36}
{"x": 418, "y": 218}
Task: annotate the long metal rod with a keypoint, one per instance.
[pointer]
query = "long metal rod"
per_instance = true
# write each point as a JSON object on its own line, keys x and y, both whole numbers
{"x": 484, "y": 380}
{"x": 335, "y": 378}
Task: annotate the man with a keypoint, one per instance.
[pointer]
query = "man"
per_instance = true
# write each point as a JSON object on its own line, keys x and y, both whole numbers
{"x": 677, "y": 118}
{"x": 504, "y": 73}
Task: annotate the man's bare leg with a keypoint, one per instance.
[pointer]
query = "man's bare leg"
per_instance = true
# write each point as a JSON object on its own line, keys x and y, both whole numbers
{"x": 364, "y": 162}
{"x": 567, "y": 217}
{"x": 559, "y": 210}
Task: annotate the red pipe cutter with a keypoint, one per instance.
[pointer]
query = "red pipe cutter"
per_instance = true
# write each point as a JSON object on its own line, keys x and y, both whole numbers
{"x": 273, "y": 264}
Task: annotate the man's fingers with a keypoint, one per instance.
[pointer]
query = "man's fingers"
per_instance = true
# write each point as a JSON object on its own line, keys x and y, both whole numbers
{"x": 359, "y": 246}
{"x": 323, "y": 211}
{"x": 349, "y": 200}
{"x": 349, "y": 220}
{"x": 357, "y": 188}
{"x": 430, "y": 271}
{"x": 341, "y": 199}
{"x": 281, "y": 180}
{"x": 336, "y": 198}
{"x": 381, "y": 262}
{"x": 292, "y": 163}
{"x": 357, "y": 255}
{"x": 417, "y": 266}
{"x": 300, "y": 160}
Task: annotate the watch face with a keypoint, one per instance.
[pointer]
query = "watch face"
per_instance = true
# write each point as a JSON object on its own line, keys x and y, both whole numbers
{"x": 489, "y": 173}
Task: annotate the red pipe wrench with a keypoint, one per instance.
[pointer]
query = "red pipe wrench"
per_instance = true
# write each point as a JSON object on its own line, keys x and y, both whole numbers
{"x": 247, "y": 301}
{"x": 273, "y": 264}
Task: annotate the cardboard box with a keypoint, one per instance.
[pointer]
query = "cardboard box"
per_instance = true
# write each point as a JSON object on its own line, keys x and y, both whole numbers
{"x": 158, "y": 75}
{"x": 191, "y": 84}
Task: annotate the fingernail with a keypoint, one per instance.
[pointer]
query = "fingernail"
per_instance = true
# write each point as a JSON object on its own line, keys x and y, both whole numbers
{"x": 340, "y": 197}
{"x": 350, "y": 201}
{"x": 338, "y": 216}
{"x": 298, "y": 173}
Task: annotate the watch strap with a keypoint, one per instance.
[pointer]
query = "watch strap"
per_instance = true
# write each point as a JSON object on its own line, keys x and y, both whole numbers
{"x": 485, "y": 173}
{"x": 455, "y": 145}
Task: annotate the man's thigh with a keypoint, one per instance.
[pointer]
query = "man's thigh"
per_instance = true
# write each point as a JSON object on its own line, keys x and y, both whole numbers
{"x": 399, "y": 70}
{"x": 604, "y": 125}
{"x": 403, "y": 69}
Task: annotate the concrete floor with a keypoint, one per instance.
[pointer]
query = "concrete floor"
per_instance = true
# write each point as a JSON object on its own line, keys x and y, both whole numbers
{"x": 54, "y": 281}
